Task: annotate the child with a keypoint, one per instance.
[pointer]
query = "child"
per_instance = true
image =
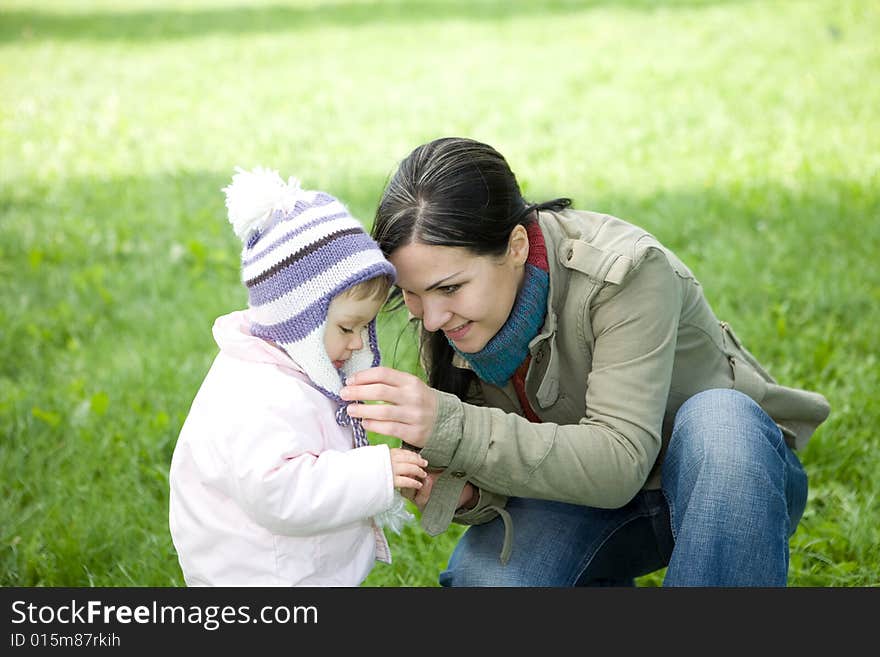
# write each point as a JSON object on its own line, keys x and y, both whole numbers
{"x": 272, "y": 483}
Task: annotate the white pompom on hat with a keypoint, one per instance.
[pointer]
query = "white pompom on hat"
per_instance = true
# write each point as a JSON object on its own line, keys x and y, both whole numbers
{"x": 253, "y": 196}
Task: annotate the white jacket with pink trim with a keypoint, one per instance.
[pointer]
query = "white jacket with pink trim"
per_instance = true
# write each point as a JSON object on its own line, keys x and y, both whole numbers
{"x": 266, "y": 488}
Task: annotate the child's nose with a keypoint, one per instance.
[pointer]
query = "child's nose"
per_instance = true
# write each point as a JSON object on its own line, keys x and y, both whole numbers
{"x": 356, "y": 343}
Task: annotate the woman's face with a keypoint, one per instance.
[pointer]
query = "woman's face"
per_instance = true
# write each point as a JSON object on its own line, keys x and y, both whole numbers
{"x": 467, "y": 296}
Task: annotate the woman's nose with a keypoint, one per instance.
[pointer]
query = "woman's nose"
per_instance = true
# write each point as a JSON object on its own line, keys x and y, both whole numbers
{"x": 434, "y": 316}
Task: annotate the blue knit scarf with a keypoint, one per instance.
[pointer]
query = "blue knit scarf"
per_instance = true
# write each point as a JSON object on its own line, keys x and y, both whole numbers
{"x": 504, "y": 353}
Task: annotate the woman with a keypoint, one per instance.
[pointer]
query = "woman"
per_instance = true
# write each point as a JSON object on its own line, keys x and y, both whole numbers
{"x": 586, "y": 412}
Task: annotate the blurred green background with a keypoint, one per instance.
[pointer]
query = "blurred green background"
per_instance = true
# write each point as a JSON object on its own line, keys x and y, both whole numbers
{"x": 744, "y": 134}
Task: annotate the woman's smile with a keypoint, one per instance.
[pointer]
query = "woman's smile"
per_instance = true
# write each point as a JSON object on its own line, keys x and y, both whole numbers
{"x": 457, "y": 333}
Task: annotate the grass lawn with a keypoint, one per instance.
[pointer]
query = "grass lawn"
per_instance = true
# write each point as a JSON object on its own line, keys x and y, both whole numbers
{"x": 744, "y": 134}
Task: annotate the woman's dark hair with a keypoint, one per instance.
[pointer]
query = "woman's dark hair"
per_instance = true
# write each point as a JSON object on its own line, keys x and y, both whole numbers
{"x": 452, "y": 192}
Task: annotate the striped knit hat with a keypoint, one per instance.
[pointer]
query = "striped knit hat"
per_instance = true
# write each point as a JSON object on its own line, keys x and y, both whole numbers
{"x": 301, "y": 249}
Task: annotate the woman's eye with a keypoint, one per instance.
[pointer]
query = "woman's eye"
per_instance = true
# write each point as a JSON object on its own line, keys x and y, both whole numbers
{"x": 449, "y": 289}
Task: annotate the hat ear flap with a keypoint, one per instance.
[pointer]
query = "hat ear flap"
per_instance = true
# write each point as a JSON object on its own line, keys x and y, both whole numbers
{"x": 367, "y": 356}
{"x": 311, "y": 355}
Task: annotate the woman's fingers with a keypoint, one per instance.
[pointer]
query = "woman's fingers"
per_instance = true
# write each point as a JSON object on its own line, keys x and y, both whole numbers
{"x": 386, "y": 413}
{"x": 385, "y": 375}
{"x": 383, "y": 384}
{"x": 371, "y": 392}
{"x": 406, "y": 432}
{"x": 423, "y": 493}
{"x": 410, "y": 406}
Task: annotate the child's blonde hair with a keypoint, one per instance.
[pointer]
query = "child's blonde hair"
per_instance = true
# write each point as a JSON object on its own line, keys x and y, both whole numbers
{"x": 373, "y": 288}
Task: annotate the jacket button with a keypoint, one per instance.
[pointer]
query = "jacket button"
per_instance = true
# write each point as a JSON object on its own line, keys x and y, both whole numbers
{"x": 570, "y": 254}
{"x": 458, "y": 474}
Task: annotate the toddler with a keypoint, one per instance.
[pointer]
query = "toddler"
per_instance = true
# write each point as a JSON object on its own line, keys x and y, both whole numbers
{"x": 272, "y": 483}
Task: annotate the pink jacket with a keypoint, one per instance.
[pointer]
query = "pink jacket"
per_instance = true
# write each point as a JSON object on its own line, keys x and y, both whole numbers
{"x": 266, "y": 489}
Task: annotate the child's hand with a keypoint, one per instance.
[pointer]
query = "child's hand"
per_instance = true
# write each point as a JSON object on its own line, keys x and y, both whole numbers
{"x": 406, "y": 466}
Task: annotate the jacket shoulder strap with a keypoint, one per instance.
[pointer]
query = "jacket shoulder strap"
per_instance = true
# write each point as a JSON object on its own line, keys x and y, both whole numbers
{"x": 600, "y": 264}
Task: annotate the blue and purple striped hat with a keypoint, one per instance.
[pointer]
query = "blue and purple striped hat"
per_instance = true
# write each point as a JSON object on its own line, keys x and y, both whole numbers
{"x": 301, "y": 249}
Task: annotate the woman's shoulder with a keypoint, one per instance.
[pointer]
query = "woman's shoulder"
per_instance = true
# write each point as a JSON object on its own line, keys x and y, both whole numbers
{"x": 602, "y": 246}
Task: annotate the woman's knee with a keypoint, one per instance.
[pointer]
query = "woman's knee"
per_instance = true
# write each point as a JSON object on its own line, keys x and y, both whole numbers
{"x": 475, "y": 573}
{"x": 477, "y": 563}
{"x": 547, "y": 543}
{"x": 727, "y": 460}
{"x": 723, "y": 426}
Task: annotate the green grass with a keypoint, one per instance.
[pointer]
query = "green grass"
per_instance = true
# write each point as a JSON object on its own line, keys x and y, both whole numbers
{"x": 744, "y": 134}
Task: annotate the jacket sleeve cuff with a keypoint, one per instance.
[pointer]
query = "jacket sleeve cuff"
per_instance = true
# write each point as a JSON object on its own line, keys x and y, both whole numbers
{"x": 458, "y": 458}
{"x": 445, "y": 447}
{"x": 484, "y": 510}
{"x": 447, "y": 432}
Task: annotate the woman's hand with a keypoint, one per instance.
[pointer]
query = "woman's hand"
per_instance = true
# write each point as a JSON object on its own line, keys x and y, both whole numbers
{"x": 467, "y": 499}
{"x": 410, "y": 407}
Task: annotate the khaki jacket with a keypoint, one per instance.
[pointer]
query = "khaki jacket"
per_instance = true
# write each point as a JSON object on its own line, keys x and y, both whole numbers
{"x": 628, "y": 338}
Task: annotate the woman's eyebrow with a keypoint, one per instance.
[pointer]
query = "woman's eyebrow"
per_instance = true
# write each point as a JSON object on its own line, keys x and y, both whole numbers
{"x": 441, "y": 281}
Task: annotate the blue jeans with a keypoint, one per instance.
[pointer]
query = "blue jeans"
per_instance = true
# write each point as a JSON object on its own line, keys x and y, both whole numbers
{"x": 732, "y": 494}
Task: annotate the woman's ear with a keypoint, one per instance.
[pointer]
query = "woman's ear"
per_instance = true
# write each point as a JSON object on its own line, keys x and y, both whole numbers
{"x": 518, "y": 245}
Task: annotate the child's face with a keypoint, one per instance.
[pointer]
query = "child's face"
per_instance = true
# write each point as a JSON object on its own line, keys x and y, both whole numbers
{"x": 346, "y": 319}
